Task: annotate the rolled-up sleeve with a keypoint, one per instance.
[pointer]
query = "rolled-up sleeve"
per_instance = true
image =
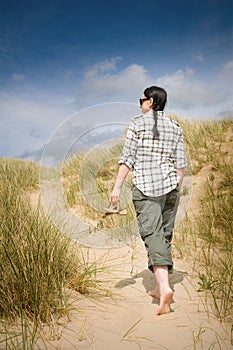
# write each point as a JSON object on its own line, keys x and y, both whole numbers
{"x": 180, "y": 154}
{"x": 130, "y": 146}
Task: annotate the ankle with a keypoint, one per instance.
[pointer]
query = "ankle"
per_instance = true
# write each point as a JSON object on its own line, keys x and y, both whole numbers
{"x": 165, "y": 290}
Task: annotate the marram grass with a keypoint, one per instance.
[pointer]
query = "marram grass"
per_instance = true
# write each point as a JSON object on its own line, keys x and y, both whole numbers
{"x": 207, "y": 237}
{"x": 209, "y": 234}
{"x": 39, "y": 267}
{"x": 88, "y": 180}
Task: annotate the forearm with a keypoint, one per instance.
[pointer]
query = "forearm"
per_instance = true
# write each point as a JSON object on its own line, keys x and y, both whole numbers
{"x": 180, "y": 175}
{"x": 122, "y": 173}
{"x": 121, "y": 176}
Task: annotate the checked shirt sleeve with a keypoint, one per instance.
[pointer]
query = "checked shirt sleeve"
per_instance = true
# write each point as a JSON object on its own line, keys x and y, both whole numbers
{"x": 130, "y": 147}
{"x": 180, "y": 155}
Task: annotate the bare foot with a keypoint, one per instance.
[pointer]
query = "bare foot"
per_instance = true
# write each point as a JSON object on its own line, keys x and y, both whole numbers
{"x": 165, "y": 301}
{"x": 154, "y": 293}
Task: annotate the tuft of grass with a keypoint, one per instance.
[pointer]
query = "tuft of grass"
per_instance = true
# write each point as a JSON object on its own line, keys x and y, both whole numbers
{"x": 129, "y": 337}
{"x": 88, "y": 180}
{"x": 204, "y": 139}
{"x": 19, "y": 175}
{"x": 207, "y": 237}
{"x": 39, "y": 266}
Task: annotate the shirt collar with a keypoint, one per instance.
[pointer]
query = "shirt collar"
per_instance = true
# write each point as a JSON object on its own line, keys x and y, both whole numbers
{"x": 159, "y": 113}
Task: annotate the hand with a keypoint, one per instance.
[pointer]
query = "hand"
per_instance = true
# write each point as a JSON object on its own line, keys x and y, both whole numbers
{"x": 115, "y": 195}
{"x": 122, "y": 173}
{"x": 180, "y": 175}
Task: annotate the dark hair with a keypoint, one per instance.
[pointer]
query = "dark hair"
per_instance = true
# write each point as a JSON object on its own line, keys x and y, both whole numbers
{"x": 159, "y": 96}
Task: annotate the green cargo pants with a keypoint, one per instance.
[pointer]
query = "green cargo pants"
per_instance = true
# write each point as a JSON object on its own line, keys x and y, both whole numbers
{"x": 156, "y": 217}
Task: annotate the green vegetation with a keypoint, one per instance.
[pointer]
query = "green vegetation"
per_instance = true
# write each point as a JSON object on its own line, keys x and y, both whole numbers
{"x": 40, "y": 268}
{"x": 207, "y": 237}
{"x": 88, "y": 180}
{"x": 204, "y": 140}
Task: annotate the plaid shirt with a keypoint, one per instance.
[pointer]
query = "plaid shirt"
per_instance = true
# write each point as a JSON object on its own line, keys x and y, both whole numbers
{"x": 154, "y": 161}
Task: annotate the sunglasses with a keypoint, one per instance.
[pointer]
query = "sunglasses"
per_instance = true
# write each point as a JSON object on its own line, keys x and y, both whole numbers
{"x": 141, "y": 100}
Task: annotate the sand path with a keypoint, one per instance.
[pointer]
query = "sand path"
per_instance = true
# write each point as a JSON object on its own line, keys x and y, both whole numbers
{"x": 126, "y": 319}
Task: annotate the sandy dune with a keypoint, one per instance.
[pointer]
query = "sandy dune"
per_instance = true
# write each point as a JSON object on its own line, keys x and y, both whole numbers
{"x": 128, "y": 319}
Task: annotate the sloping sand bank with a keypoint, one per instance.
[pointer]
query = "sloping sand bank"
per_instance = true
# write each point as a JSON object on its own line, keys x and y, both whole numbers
{"x": 128, "y": 320}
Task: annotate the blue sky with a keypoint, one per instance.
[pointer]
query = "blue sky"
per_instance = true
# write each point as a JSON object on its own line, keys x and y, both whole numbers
{"x": 58, "y": 57}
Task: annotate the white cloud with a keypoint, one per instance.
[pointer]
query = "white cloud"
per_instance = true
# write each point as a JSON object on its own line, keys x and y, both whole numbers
{"x": 102, "y": 83}
{"x": 227, "y": 72}
{"x": 18, "y": 76}
{"x": 186, "y": 93}
{"x": 26, "y": 124}
{"x": 198, "y": 57}
{"x": 103, "y": 67}
{"x": 68, "y": 75}
{"x": 26, "y": 121}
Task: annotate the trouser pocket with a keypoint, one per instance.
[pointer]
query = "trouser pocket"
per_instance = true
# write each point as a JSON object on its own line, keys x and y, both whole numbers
{"x": 149, "y": 212}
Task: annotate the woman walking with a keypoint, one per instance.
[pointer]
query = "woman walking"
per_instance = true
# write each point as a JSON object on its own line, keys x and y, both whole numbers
{"x": 154, "y": 151}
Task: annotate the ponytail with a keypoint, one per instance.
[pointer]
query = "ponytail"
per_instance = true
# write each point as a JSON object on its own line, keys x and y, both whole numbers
{"x": 155, "y": 129}
{"x": 159, "y": 96}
